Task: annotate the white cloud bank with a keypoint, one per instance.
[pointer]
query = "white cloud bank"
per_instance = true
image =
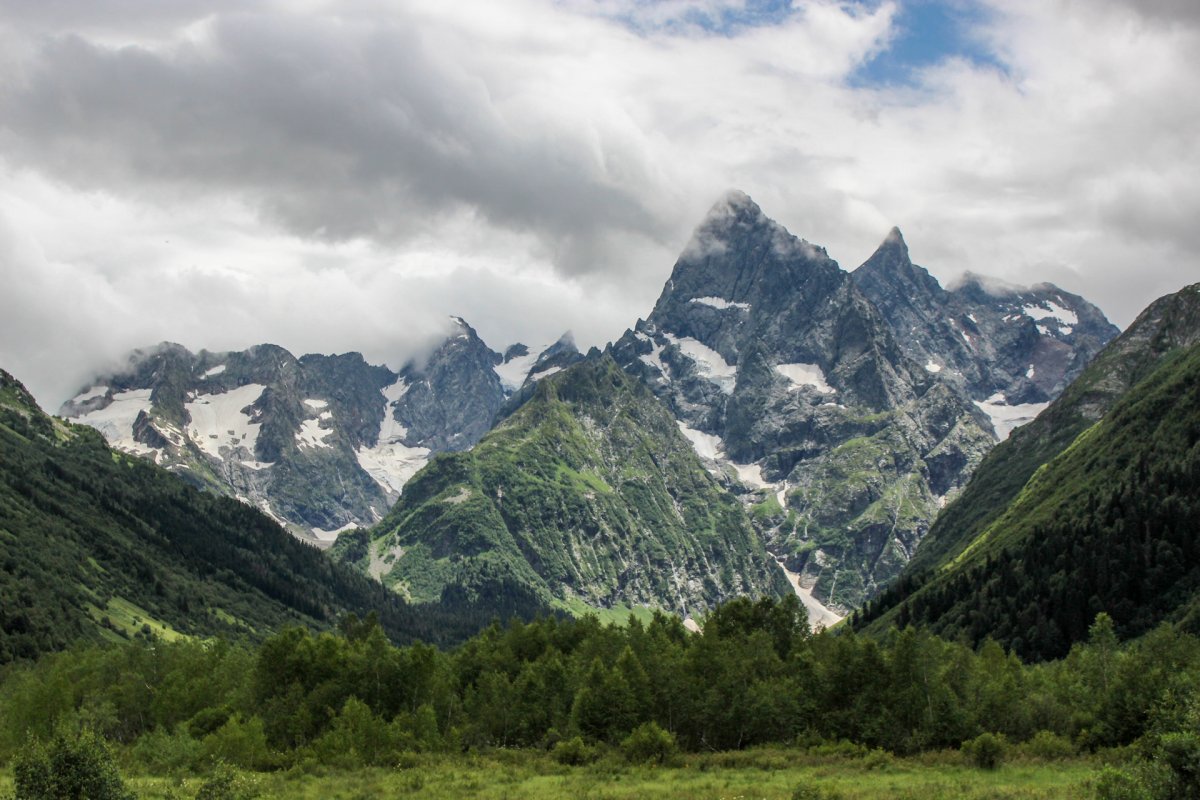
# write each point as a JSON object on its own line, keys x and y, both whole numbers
{"x": 340, "y": 176}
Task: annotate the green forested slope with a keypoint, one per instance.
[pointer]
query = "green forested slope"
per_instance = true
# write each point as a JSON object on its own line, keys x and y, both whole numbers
{"x": 98, "y": 544}
{"x": 587, "y": 496}
{"x": 1111, "y": 524}
{"x": 1169, "y": 324}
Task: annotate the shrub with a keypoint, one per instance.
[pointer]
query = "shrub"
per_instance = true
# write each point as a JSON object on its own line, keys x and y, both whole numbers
{"x": 239, "y": 742}
{"x": 66, "y": 768}
{"x": 878, "y": 759}
{"x": 1180, "y": 752}
{"x": 1049, "y": 746}
{"x": 160, "y": 752}
{"x": 985, "y": 751}
{"x": 573, "y": 752}
{"x": 224, "y": 784}
{"x": 649, "y": 742}
{"x": 810, "y": 791}
{"x": 1117, "y": 784}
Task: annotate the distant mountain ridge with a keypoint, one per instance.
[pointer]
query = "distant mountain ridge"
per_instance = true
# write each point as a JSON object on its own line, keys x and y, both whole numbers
{"x": 1013, "y": 349}
{"x": 322, "y": 444}
{"x": 101, "y": 545}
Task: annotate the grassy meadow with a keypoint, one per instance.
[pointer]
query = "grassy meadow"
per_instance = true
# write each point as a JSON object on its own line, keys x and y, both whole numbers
{"x": 770, "y": 774}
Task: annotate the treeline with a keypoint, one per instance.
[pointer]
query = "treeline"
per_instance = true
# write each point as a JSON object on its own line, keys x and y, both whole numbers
{"x": 756, "y": 675}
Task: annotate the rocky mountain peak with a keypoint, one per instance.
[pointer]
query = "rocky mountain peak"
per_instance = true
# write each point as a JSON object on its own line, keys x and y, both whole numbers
{"x": 1011, "y": 348}
{"x": 890, "y": 271}
{"x": 786, "y": 378}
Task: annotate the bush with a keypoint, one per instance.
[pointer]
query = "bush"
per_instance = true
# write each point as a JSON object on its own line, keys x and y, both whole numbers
{"x": 810, "y": 791}
{"x": 1049, "y": 746}
{"x": 1116, "y": 784}
{"x": 1181, "y": 753}
{"x": 842, "y": 748}
{"x": 225, "y": 784}
{"x": 573, "y": 752}
{"x": 161, "y": 753}
{"x": 67, "y": 768}
{"x": 239, "y": 742}
{"x": 649, "y": 742}
{"x": 985, "y": 751}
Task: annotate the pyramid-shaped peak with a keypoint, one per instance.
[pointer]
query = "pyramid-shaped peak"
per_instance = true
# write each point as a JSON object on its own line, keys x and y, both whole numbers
{"x": 734, "y": 205}
{"x": 893, "y": 243}
{"x": 890, "y": 257}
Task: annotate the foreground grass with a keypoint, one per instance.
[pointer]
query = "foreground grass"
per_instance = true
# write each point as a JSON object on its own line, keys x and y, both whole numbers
{"x": 766, "y": 774}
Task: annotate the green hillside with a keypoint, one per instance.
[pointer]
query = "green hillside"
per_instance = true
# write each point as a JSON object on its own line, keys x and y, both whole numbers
{"x": 95, "y": 544}
{"x": 1169, "y": 324}
{"x": 587, "y": 496}
{"x": 1110, "y": 524}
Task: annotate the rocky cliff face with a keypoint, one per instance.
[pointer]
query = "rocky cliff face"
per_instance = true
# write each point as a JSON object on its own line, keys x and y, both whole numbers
{"x": 587, "y": 496}
{"x": 321, "y": 443}
{"x": 1168, "y": 325}
{"x": 788, "y": 379}
{"x": 1012, "y": 349}
{"x": 1087, "y": 508}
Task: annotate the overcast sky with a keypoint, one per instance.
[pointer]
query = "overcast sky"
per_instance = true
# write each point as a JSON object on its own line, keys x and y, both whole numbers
{"x": 342, "y": 175}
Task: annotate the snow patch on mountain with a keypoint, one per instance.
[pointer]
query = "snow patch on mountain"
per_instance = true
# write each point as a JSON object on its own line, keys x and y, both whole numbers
{"x": 709, "y": 363}
{"x": 316, "y": 404}
{"x": 706, "y": 445}
{"x": 719, "y": 303}
{"x": 751, "y": 475}
{"x": 215, "y": 371}
{"x": 819, "y": 616}
{"x": 115, "y": 420}
{"x": 1051, "y": 310}
{"x": 311, "y": 434}
{"x": 330, "y": 535}
{"x": 654, "y": 358}
{"x": 802, "y": 375}
{"x": 390, "y": 462}
{"x": 512, "y": 373}
{"x": 545, "y": 373}
{"x": 1006, "y": 417}
{"x": 219, "y": 420}
{"x": 932, "y": 366}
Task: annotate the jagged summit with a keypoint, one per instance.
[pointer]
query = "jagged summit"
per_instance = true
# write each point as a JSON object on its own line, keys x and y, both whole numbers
{"x": 1012, "y": 348}
{"x": 783, "y": 374}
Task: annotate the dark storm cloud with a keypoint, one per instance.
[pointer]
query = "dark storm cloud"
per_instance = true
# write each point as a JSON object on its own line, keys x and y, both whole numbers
{"x": 334, "y": 129}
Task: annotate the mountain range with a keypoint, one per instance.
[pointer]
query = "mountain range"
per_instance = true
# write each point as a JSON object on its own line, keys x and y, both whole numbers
{"x": 843, "y": 410}
{"x": 322, "y": 444}
{"x": 98, "y": 544}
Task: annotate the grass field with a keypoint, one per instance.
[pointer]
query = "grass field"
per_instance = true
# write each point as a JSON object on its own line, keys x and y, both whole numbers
{"x": 770, "y": 775}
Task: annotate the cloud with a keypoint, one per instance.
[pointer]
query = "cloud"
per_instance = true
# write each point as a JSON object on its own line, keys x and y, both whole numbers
{"x": 335, "y": 176}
